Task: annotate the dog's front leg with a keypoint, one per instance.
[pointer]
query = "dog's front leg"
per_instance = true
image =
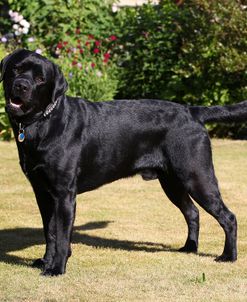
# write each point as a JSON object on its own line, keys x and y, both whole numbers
{"x": 47, "y": 211}
{"x": 64, "y": 215}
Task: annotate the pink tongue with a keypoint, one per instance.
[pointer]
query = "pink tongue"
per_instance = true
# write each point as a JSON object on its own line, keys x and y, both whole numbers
{"x": 16, "y": 103}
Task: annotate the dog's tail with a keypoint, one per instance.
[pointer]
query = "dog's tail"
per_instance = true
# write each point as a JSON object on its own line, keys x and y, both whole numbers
{"x": 225, "y": 114}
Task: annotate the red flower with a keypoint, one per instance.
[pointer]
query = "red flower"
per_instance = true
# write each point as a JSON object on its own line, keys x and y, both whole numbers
{"x": 93, "y": 65}
{"x": 74, "y": 63}
{"x": 90, "y": 37}
{"x": 60, "y": 45}
{"x": 97, "y": 43}
{"x": 68, "y": 50}
{"x": 81, "y": 50}
{"x": 113, "y": 38}
{"x": 107, "y": 55}
{"x": 87, "y": 43}
{"x": 65, "y": 43}
{"x": 96, "y": 50}
{"x": 77, "y": 31}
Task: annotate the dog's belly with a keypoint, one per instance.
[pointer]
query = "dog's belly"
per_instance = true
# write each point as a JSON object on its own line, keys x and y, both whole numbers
{"x": 93, "y": 175}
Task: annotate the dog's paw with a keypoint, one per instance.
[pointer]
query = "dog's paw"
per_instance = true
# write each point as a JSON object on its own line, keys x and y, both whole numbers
{"x": 225, "y": 258}
{"x": 56, "y": 271}
{"x": 189, "y": 247}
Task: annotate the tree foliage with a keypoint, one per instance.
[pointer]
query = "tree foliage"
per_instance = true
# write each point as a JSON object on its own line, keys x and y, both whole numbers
{"x": 194, "y": 52}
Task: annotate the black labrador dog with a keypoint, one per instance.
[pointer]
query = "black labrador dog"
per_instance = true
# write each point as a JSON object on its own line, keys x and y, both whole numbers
{"x": 69, "y": 146}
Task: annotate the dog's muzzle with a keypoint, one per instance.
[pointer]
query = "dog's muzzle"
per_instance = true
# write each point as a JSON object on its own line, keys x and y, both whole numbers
{"x": 20, "y": 93}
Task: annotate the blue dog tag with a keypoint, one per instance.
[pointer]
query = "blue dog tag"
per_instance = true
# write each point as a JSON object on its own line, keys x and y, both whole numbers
{"x": 21, "y": 135}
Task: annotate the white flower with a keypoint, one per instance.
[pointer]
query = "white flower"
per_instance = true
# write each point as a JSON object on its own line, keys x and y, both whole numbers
{"x": 114, "y": 8}
{"x": 14, "y": 15}
{"x": 99, "y": 74}
{"x": 15, "y": 26}
{"x": 25, "y": 30}
{"x": 57, "y": 51}
{"x": 79, "y": 65}
{"x": 10, "y": 12}
{"x": 24, "y": 23}
{"x": 4, "y": 39}
{"x": 19, "y": 18}
{"x": 17, "y": 33}
{"x": 39, "y": 51}
{"x": 31, "y": 39}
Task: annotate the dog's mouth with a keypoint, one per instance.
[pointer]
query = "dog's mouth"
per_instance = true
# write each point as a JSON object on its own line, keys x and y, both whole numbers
{"x": 16, "y": 102}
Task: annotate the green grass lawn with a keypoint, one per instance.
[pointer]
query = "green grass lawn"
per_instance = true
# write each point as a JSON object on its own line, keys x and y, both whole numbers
{"x": 125, "y": 240}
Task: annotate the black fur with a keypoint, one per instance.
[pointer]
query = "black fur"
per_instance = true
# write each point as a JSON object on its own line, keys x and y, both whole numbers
{"x": 79, "y": 146}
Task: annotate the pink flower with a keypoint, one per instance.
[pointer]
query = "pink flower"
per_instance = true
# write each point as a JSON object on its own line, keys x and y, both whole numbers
{"x": 97, "y": 43}
{"x": 60, "y": 45}
{"x": 107, "y": 55}
{"x": 113, "y": 38}
{"x": 96, "y": 50}
{"x": 93, "y": 65}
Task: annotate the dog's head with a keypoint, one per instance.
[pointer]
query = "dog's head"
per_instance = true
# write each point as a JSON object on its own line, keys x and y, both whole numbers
{"x": 31, "y": 83}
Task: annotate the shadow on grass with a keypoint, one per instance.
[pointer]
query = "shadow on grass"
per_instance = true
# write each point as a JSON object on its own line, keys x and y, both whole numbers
{"x": 12, "y": 240}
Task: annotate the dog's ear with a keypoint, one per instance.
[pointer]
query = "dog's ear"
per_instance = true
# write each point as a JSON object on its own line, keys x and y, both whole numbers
{"x": 5, "y": 61}
{"x": 60, "y": 84}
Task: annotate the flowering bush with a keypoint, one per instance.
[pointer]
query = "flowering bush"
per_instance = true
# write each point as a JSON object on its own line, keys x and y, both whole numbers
{"x": 21, "y": 26}
{"x": 88, "y": 65}
{"x": 17, "y": 31}
{"x": 51, "y": 19}
{"x": 45, "y": 27}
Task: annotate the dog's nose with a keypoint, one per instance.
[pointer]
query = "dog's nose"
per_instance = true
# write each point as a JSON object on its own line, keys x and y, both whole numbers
{"x": 21, "y": 85}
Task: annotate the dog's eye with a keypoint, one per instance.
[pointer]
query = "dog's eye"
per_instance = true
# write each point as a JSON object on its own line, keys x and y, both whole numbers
{"x": 17, "y": 69}
{"x": 39, "y": 80}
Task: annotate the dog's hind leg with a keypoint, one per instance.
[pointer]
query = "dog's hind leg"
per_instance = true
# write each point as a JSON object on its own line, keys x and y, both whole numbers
{"x": 175, "y": 191}
{"x": 190, "y": 159}
{"x": 194, "y": 167}
{"x": 204, "y": 190}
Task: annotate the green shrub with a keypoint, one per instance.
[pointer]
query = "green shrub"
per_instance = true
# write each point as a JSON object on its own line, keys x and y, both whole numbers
{"x": 194, "y": 53}
{"x": 88, "y": 67}
{"x": 149, "y": 37}
{"x": 52, "y": 20}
